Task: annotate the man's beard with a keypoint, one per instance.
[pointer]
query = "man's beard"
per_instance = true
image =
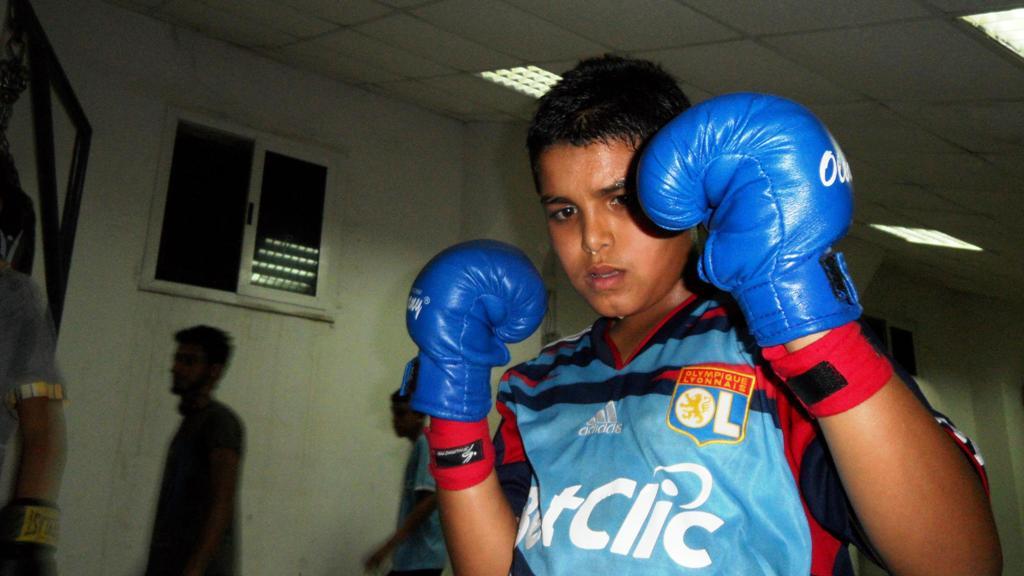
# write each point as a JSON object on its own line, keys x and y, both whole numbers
{"x": 188, "y": 394}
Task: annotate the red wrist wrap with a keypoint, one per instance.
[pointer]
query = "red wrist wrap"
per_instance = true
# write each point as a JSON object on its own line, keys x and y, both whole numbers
{"x": 461, "y": 453}
{"x": 834, "y": 373}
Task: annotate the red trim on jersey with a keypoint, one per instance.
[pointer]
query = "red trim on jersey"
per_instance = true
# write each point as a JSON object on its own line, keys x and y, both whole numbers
{"x": 557, "y": 347}
{"x": 526, "y": 380}
{"x": 797, "y": 433}
{"x": 972, "y": 456}
{"x": 714, "y": 313}
{"x": 512, "y": 441}
{"x": 619, "y": 364}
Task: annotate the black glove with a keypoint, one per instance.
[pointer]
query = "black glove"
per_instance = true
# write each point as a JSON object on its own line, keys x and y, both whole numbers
{"x": 28, "y": 538}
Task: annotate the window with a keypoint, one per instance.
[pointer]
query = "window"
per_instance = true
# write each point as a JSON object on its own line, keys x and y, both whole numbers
{"x": 238, "y": 218}
{"x": 898, "y": 342}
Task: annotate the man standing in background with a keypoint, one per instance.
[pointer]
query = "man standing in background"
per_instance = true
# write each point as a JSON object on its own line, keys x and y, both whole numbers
{"x": 194, "y": 532}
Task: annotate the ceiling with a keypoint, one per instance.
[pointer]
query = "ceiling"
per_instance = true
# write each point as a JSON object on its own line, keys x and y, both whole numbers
{"x": 930, "y": 113}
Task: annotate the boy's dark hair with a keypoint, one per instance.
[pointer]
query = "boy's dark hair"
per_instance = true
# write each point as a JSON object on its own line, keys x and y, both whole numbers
{"x": 216, "y": 343}
{"x": 605, "y": 99}
{"x": 397, "y": 398}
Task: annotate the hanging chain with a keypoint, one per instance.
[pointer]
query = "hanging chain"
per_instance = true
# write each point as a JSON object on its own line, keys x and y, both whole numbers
{"x": 13, "y": 75}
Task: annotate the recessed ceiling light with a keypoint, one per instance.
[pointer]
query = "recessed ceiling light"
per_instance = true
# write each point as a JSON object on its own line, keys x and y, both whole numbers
{"x": 926, "y": 236}
{"x": 1006, "y": 27}
{"x": 529, "y": 80}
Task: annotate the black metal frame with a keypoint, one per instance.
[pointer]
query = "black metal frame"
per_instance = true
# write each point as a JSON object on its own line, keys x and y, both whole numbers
{"x": 58, "y": 231}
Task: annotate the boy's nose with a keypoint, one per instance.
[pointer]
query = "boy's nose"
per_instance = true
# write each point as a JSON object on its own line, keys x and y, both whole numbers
{"x": 597, "y": 235}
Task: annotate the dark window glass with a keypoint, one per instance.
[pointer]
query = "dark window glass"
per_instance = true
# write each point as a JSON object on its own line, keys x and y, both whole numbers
{"x": 902, "y": 342}
{"x": 201, "y": 238}
{"x": 287, "y": 252}
{"x": 879, "y": 330}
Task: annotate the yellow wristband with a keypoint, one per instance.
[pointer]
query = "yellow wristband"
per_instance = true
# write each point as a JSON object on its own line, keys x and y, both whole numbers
{"x": 36, "y": 525}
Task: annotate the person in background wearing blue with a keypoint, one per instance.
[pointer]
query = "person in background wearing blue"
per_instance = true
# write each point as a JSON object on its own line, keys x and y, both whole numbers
{"x": 417, "y": 545}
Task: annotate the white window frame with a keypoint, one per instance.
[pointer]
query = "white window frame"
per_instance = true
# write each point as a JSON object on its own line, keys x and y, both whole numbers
{"x": 247, "y": 295}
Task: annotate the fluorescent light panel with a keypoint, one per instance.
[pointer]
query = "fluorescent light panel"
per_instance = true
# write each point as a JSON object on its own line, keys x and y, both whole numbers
{"x": 1006, "y": 27}
{"x": 926, "y": 236}
{"x": 529, "y": 80}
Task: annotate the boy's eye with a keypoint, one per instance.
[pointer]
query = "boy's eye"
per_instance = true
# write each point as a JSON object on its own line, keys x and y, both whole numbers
{"x": 625, "y": 199}
{"x": 562, "y": 214}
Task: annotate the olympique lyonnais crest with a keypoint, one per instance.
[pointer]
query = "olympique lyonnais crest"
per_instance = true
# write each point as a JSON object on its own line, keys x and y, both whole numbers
{"x": 710, "y": 404}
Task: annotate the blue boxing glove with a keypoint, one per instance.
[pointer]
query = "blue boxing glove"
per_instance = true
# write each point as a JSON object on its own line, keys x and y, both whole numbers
{"x": 774, "y": 191}
{"x": 465, "y": 305}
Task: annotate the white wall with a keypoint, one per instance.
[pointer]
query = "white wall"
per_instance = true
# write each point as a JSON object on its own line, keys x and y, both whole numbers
{"x": 321, "y": 473}
{"x": 970, "y": 357}
{"x": 322, "y": 468}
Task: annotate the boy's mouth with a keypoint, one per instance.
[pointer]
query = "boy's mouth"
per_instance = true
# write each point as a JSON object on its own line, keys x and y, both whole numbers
{"x": 604, "y": 277}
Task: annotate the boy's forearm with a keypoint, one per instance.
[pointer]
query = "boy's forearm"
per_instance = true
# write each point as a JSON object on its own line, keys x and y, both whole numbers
{"x": 903, "y": 475}
{"x": 479, "y": 528}
{"x": 41, "y": 462}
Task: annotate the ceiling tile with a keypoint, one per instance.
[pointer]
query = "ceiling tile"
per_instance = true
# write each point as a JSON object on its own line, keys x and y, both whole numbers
{"x": 867, "y": 212}
{"x": 947, "y": 170}
{"x": 1010, "y": 163}
{"x": 695, "y": 94}
{"x": 780, "y": 16}
{"x": 429, "y": 41}
{"x": 138, "y": 5}
{"x": 642, "y": 25}
{"x": 508, "y": 30}
{"x": 973, "y": 6}
{"x": 558, "y": 67}
{"x": 973, "y": 228}
{"x": 344, "y": 12}
{"x": 910, "y": 197}
{"x": 906, "y": 61}
{"x": 746, "y": 66}
{"x": 372, "y": 52}
{"x": 1005, "y": 206}
{"x": 274, "y": 14}
{"x": 870, "y": 132}
{"x": 405, "y": 3}
{"x": 311, "y": 57}
{"x": 991, "y": 126}
{"x": 432, "y": 98}
{"x": 222, "y": 25}
{"x": 484, "y": 92}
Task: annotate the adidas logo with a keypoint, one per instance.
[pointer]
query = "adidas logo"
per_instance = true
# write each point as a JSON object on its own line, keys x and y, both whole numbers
{"x": 605, "y": 421}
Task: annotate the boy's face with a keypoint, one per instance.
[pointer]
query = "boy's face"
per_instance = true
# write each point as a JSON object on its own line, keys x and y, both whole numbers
{"x": 614, "y": 256}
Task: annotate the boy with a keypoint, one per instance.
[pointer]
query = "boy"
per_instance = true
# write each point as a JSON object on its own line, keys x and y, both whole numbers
{"x": 32, "y": 390}
{"x": 417, "y": 546}
{"x": 758, "y": 441}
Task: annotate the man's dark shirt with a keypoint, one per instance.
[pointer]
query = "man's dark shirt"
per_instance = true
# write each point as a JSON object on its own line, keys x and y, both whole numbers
{"x": 185, "y": 493}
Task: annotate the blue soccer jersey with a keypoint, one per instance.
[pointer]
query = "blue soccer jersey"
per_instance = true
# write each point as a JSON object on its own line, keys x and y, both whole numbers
{"x": 686, "y": 458}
